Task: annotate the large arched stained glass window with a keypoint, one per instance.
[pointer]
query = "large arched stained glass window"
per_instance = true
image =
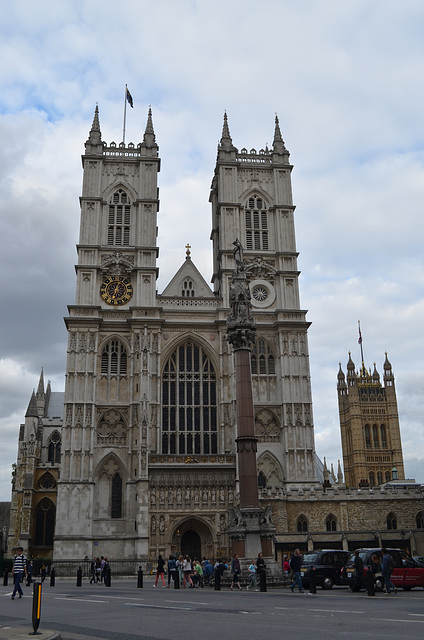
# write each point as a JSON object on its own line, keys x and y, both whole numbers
{"x": 189, "y": 405}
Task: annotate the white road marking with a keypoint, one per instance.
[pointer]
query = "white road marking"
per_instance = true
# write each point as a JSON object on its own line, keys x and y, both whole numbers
{"x": 83, "y": 600}
{"x": 397, "y": 620}
{"x": 188, "y": 602}
{"x": 336, "y": 611}
{"x": 154, "y": 606}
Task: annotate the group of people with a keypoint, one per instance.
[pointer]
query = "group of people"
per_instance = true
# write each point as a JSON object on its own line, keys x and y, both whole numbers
{"x": 192, "y": 573}
{"x": 98, "y": 570}
{"x": 381, "y": 566}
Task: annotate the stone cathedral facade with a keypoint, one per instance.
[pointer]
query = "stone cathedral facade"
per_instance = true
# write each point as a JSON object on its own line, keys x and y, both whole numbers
{"x": 138, "y": 456}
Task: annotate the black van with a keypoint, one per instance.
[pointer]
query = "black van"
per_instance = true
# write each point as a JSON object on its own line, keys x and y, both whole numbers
{"x": 326, "y": 566}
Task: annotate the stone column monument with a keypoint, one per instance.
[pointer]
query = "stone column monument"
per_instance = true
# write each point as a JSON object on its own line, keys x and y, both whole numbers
{"x": 249, "y": 530}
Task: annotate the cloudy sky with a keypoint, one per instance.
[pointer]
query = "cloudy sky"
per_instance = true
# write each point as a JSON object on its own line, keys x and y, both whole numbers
{"x": 346, "y": 80}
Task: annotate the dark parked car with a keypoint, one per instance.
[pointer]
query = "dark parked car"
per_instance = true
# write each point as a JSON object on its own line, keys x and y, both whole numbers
{"x": 407, "y": 572}
{"x": 325, "y": 565}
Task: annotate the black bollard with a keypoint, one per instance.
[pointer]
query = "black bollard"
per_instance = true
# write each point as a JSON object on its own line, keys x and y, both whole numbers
{"x": 140, "y": 577}
{"x": 5, "y": 577}
{"x": 217, "y": 579}
{"x": 79, "y": 577}
{"x": 108, "y": 579}
{"x": 52, "y": 577}
{"x": 312, "y": 582}
{"x": 262, "y": 580}
{"x": 36, "y": 608}
{"x": 369, "y": 579}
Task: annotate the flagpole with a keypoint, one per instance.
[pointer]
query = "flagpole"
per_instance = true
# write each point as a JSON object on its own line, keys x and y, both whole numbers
{"x": 125, "y": 114}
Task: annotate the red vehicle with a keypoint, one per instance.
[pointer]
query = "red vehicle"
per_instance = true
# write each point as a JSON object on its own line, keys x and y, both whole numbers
{"x": 407, "y": 572}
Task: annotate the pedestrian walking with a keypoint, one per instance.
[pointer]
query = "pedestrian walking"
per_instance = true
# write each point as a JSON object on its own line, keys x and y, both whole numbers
{"x": 359, "y": 580}
{"x": 295, "y": 564}
{"x": 235, "y": 572}
{"x": 159, "y": 571}
{"x": 387, "y": 570}
{"x": 19, "y": 570}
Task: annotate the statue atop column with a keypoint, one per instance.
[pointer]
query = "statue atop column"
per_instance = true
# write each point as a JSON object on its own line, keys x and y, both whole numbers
{"x": 240, "y": 323}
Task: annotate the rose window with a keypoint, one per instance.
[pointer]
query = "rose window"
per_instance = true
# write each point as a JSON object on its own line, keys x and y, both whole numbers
{"x": 260, "y": 293}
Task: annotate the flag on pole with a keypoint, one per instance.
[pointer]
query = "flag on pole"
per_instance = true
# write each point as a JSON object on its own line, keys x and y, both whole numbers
{"x": 360, "y": 337}
{"x": 129, "y": 99}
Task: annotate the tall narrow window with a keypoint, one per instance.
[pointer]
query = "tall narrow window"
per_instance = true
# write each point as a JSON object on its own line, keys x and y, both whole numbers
{"x": 367, "y": 437}
{"x": 119, "y": 219}
{"x": 379, "y": 477}
{"x": 391, "y": 521}
{"x": 262, "y": 358}
{"x": 331, "y": 523}
{"x": 189, "y": 402}
{"x": 116, "y": 502}
{"x": 375, "y": 437}
{"x": 302, "y": 523}
{"x": 54, "y": 448}
{"x": 261, "y": 480}
{"x": 114, "y": 359}
{"x": 256, "y": 219}
{"x": 371, "y": 477}
{"x": 419, "y": 520}
{"x": 383, "y": 437}
{"x": 45, "y": 517}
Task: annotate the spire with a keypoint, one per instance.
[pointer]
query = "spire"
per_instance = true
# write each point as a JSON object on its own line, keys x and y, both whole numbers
{"x": 95, "y": 135}
{"x": 375, "y": 374}
{"x": 278, "y": 144}
{"x": 226, "y": 143}
{"x": 341, "y": 380}
{"x": 40, "y": 390}
{"x": 388, "y": 373}
{"x": 149, "y": 138}
{"x": 226, "y": 130}
{"x": 32, "y": 411}
{"x": 351, "y": 376}
{"x": 94, "y": 143}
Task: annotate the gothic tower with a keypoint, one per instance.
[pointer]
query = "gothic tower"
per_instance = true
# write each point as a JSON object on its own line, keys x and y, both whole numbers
{"x": 251, "y": 199}
{"x": 102, "y": 491}
{"x": 369, "y": 425}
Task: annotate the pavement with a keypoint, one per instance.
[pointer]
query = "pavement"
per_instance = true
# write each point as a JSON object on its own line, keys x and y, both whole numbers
{"x": 18, "y": 633}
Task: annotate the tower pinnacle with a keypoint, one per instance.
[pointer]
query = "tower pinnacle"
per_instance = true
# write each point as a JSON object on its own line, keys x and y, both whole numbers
{"x": 149, "y": 138}
{"x": 226, "y": 143}
{"x": 278, "y": 144}
{"x": 94, "y": 143}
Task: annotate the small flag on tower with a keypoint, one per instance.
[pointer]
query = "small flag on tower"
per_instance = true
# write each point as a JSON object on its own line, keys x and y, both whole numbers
{"x": 360, "y": 336}
{"x": 129, "y": 99}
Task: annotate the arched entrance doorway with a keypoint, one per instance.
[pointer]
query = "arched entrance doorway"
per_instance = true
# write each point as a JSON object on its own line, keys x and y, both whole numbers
{"x": 193, "y": 537}
{"x": 191, "y": 544}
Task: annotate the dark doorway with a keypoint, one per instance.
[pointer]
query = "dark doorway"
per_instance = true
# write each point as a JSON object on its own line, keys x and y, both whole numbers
{"x": 191, "y": 545}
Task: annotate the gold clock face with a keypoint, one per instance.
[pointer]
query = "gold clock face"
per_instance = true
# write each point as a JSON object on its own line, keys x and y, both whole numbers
{"x": 116, "y": 290}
